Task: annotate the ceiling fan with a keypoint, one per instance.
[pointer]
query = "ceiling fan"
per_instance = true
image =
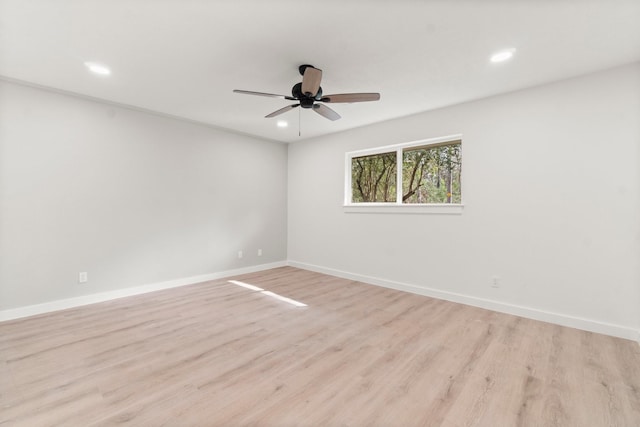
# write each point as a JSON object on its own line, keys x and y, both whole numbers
{"x": 308, "y": 93}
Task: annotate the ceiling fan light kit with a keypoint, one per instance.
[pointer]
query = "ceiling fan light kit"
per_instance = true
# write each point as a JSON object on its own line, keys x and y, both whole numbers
{"x": 309, "y": 92}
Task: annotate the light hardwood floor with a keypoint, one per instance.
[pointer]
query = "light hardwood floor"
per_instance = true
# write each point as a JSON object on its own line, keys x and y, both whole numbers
{"x": 218, "y": 354}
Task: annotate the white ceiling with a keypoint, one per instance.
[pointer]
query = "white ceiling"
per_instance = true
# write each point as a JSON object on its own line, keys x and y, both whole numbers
{"x": 184, "y": 57}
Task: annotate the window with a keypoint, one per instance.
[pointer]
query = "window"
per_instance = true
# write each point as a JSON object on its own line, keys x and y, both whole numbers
{"x": 420, "y": 174}
{"x": 373, "y": 178}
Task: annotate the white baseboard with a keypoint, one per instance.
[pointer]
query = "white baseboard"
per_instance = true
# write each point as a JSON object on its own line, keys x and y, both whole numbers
{"x": 517, "y": 310}
{"x": 528, "y": 312}
{"x": 32, "y": 310}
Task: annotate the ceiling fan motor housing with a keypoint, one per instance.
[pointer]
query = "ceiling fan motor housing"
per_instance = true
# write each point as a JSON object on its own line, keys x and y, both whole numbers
{"x": 305, "y": 101}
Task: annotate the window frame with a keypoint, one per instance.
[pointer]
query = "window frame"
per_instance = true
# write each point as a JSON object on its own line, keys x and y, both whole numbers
{"x": 397, "y": 206}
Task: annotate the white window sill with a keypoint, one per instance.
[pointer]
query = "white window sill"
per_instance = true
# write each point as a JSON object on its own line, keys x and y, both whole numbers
{"x": 394, "y": 208}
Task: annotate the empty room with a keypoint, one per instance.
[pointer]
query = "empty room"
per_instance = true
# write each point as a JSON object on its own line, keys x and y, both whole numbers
{"x": 320, "y": 213}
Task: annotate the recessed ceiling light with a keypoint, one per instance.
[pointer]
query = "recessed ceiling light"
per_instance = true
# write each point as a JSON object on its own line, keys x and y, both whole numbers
{"x": 96, "y": 68}
{"x": 282, "y": 124}
{"x": 503, "y": 55}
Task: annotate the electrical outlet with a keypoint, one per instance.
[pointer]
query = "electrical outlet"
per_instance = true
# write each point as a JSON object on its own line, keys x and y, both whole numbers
{"x": 83, "y": 277}
{"x": 259, "y": 252}
{"x": 239, "y": 254}
{"x": 495, "y": 282}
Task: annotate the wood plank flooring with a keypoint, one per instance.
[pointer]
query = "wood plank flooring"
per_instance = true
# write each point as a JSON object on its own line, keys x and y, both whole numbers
{"x": 219, "y": 354}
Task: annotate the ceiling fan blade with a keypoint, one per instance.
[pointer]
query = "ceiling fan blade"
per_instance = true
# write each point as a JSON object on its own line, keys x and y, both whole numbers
{"x": 282, "y": 110}
{"x": 271, "y": 95}
{"x": 351, "y": 97}
{"x": 311, "y": 81}
{"x": 325, "y": 111}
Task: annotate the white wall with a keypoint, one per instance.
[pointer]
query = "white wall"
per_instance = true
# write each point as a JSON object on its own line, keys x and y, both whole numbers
{"x": 551, "y": 188}
{"x": 129, "y": 197}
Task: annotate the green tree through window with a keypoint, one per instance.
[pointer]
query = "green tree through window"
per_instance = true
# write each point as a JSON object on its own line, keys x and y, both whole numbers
{"x": 374, "y": 178}
{"x": 431, "y": 174}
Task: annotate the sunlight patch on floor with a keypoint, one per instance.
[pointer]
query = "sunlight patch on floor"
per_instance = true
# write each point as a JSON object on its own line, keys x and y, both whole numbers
{"x": 268, "y": 293}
